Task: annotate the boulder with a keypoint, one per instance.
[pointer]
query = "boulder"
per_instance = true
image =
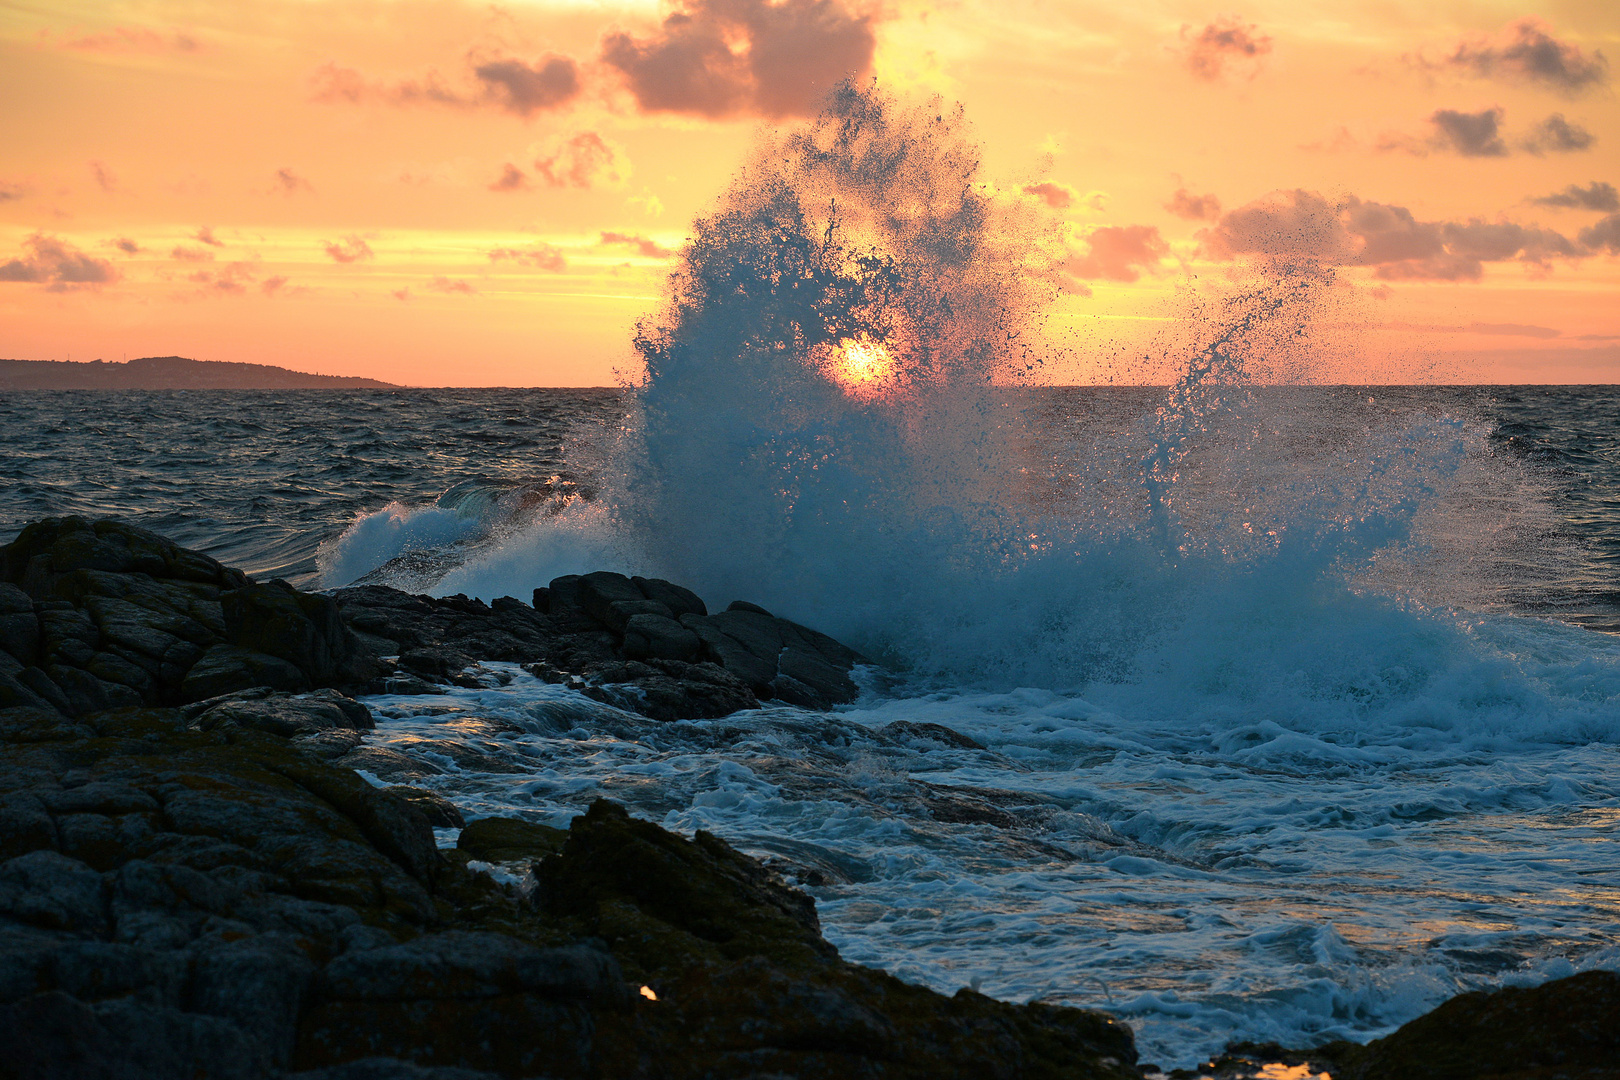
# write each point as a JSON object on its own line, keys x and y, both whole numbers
{"x": 653, "y": 635}
{"x": 680, "y": 601}
{"x": 224, "y": 669}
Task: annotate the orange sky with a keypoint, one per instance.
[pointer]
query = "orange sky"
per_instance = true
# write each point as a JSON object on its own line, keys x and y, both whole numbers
{"x": 435, "y": 192}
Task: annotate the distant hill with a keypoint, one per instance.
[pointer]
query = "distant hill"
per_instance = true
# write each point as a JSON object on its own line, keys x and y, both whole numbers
{"x": 165, "y": 373}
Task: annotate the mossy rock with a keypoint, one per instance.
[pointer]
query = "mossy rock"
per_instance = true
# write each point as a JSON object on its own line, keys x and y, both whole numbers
{"x": 1569, "y": 1028}
{"x": 509, "y": 840}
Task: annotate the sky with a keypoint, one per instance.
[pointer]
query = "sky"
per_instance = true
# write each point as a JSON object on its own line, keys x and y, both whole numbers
{"x": 437, "y": 192}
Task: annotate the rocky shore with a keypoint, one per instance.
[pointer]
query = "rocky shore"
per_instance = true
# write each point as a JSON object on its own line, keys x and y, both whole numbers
{"x": 193, "y": 884}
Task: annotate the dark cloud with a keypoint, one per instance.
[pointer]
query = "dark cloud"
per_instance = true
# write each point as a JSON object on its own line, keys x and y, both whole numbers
{"x": 106, "y": 180}
{"x": 1595, "y": 196}
{"x": 1184, "y": 204}
{"x": 1558, "y": 136}
{"x": 1118, "y": 253}
{"x": 1226, "y": 44}
{"x": 1057, "y": 196}
{"x": 1604, "y": 236}
{"x": 539, "y": 256}
{"x": 512, "y": 178}
{"x": 126, "y": 245}
{"x": 351, "y": 248}
{"x": 1525, "y": 52}
{"x": 585, "y": 160}
{"x": 57, "y": 265}
{"x": 205, "y": 235}
{"x": 512, "y": 85}
{"x": 1302, "y": 225}
{"x": 272, "y": 285}
{"x": 9, "y": 192}
{"x": 1469, "y": 134}
{"x": 640, "y": 244}
{"x": 446, "y": 285}
{"x": 526, "y": 89}
{"x": 290, "y": 183}
{"x": 182, "y": 253}
{"x": 721, "y": 58}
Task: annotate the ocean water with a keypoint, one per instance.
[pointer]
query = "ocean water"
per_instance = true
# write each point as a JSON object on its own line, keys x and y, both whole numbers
{"x": 1294, "y": 709}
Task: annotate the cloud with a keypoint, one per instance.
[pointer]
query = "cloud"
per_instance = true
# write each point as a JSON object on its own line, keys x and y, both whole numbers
{"x": 351, "y": 248}
{"x": 1057, "y": 196}
{"x": 129, "y": 39}
{"x": 290, "y": 183}
{"x": 585, "y": 160}
{"x": 1469, "y": 134}
{"x": 1604, "y": 236}
{"x": 640, "y": 244}
{"x": 526, "y": 89}
{"x": 539, "y": 256}
{"x": 1513, "y": 330}
{"x": 720, "y": 58}
{"x": 232, "y": 279}
{"x": 1595, "y": 196}
{"x": 125, "y": 244}
{"x": 1302, "y": 225}
{"x": 105, "y": 178}
{"x": 1524, "y": 52}
{"x": 272, "y": 285}
{"x": 512, "y": 178}
{"x": 205, "y": 235}
{"x": 185, "y": 254}
{"x": 1559, "y": 136}
{"x": 1184, "y": 204}
{"x": 57, "y": 265}
{"x": 9, "y": 191}
{"x": 1226, "y": 43}
{"x": 1118, "y": 253}
{"x": 504, "y": 83}
{"x": 448, "y": 286}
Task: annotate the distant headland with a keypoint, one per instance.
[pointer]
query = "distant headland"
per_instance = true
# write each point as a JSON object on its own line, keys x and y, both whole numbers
{"x": 166, "y": 373}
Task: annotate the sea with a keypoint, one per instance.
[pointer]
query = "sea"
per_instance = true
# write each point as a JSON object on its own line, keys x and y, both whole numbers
{"x": 1292, "y": 713}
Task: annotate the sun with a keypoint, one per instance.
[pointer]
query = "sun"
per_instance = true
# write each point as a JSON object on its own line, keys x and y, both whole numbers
{"x": 861, "y": 366}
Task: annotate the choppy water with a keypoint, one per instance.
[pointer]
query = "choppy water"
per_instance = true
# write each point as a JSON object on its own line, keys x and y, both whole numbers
{"x": 1298, "y": 815}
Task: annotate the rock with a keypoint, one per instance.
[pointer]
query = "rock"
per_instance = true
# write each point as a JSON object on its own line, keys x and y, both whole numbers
{"x": 304, "y": 629}
{"x": 1569, "y": 1027}
{"x": 701, "y": 886}
{"x": 598, "y": 592}
{"x": 224, "y": 669}
{"x": 437, "y": 810}
{"x": 680, "y": 601}
{"x": 653, "y": 635}
{"x": 909, "y": 730}
{"x": 435, "y": 662}
{"x": 509, "y": 840}
{"x": 743, "y": 605}
{"x": 280, "y": 715}
{"x": 670, "y": 689}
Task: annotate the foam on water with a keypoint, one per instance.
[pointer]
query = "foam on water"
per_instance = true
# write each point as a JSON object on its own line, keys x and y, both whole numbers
{"x": 1262, "y": 756}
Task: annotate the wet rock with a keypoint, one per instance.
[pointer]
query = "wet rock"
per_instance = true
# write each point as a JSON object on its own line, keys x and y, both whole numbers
{"x": 669, "y": 689}
{"x": 435, "y": 662}
{"x": 509, "y": 840}
{"x": 680, "y": 601}
{"x": 304, "y": 629}
{"x": 1563, "y": 1028}
{"x": 437, "y": 810}
{"x": 910, "y": 731}
{"x": 224, "y": 669}
{"x": 651, "y": 635}
{"x": 285, "y": 716}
